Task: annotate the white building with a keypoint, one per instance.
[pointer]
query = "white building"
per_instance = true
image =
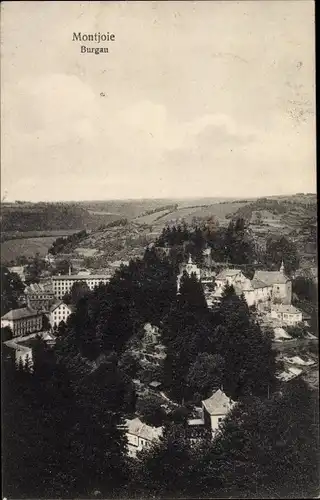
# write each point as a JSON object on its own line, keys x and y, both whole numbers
{"x": 287, "y": 314}
{"x": 62, "y": 284}
{"x": 140, "y": 435}
{"x": 280, "y": 283}
{"x": 190, "y": 269}
{"x": 59, "y": 312}
{"x": 22, "y": 321}
{"x": 215, "y": 409}
{"x": 19, "y": 270}
{"x": 21, "y": 347}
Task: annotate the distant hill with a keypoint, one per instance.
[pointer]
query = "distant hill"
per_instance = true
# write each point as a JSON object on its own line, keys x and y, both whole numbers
{"x": 49, "y": 217}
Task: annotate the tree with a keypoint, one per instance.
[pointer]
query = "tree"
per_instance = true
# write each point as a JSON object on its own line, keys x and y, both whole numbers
{"x": 11, "y": 289}
{"x": 62, "y": 266}
{"x": 247, "y": 351}
{"x": 6, "y": 334}
{"x": 152, "y": 413}
{"x": 162, "y": 470}
{"x": 282, "y": 249}
{"x": 205, "y": 375}
{"x": 34, "y": 269}
{"x": 263, "y": 447}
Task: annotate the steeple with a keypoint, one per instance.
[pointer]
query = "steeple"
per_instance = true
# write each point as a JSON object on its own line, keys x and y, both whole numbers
{"x": 282, "y": 267}
{"x": 190, "y": 260}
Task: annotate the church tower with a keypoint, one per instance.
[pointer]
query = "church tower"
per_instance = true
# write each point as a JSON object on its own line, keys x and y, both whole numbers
{"x": 282, "y": 267}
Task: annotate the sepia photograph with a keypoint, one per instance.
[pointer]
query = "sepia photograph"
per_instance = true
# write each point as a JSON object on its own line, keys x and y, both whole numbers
{"x": 159, "y": 275}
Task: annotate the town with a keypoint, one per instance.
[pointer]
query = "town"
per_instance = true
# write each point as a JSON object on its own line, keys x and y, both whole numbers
{"x": 131, "y": 319}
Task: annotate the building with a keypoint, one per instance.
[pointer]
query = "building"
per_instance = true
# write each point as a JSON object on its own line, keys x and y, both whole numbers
{"x": 140, "y": 435}
{"x": 280, "y": 283}
{"x": 215, "y": 409}
{"x": 19, "y": 270}
{"x": 59, "y": 312}
{"x": 190, "y": 269}
{"x": 287, "y": 314}
{"x": 49, "y": 258}
{"x": 62, "y": 284}
{"x": 39, "y": 297}
{"x": 22, "y": 321}
{"x": 21, "y": 348}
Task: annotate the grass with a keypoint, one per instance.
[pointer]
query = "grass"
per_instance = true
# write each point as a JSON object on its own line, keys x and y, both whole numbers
{"x": 28, "y": 247}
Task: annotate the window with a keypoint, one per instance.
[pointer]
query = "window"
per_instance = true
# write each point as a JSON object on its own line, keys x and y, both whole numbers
{"x": 220, "y": 419}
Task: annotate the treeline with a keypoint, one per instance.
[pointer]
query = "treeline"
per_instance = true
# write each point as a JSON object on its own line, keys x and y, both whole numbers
{"x": 208, "y": 349}
{"x": 160, "y": 209}
{"x": 45, "y": 217}
{"x": 234, "y": 244}
{"x": 67, "y": 244}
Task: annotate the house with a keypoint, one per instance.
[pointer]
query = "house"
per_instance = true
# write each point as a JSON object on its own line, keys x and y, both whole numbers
{"x": 39, "y": 296}
{"x": 297, "y": 360}
{"x": 62, "y": 284}
{"x": 292, "y": 373}
{"x": 59, "y": 312}
{"x": 22, "y": 347}
{"x": 140, "y": 435}
{"x": 254, "y": 291}
{"x": 22, "y": 321}
{"x": 287, "y": 314}
{"x": 19, "y": 270}
{"x": 215, "y": 409}
{"x": 280, "y": 283}
{"x": 49, "y": 258}
{"x": 190, "y": 269}
{"x": 280, "y": 335}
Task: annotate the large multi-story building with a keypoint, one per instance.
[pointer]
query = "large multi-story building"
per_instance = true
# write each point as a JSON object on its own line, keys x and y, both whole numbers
{"x": 62, "y": 284}
{"x": 22, "y": 321}
{"x": 39, "y": 297}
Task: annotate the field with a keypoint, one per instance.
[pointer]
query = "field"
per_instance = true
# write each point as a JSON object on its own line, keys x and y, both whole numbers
{"x": 28, "y": 247}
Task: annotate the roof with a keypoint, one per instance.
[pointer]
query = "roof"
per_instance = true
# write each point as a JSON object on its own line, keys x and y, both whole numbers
{"x": 227, "y": 273}
{"x": 280, "y": 333}
{"x": 24, "y": 312}
{"x": 271, "y": 277}
{"x": 38, "y": 288}
{"x": 257, "y": 283}
{"x": 286, "y": 309}
{"x": 218, "y": 403}
{"x": 195, "y": 421}
{"x": 78, "y": 277}
{"x": 155, "y": 384}
{"x": 138, "y": 428}
{"x": 59, "y": 303}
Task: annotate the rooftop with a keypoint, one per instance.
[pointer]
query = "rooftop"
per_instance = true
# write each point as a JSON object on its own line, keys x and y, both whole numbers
{"x": 225, "y": 273}
{"x": 257, "y": 283}
{"x": 78, "y": 277}
{"x": 271, "y": 277}
{"x": 59, "y": 303}
{"x": 285, "y": 309}
{"x": 24, "y": 312}
{"x": 138, "y": 428}
{"x": 218, "y": 403}
{"x": 38, "y": 288}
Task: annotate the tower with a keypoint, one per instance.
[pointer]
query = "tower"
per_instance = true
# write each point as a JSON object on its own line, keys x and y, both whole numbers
{"x": 282, "y": 267}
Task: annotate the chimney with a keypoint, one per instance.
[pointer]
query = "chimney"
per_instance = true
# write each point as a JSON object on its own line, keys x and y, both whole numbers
{"x": 70, "y": 270}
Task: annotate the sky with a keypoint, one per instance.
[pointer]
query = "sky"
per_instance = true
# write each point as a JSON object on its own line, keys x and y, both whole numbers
{"x": 212, "y": 99}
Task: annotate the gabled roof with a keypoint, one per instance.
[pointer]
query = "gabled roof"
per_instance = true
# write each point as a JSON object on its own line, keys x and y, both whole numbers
{"x": 257, "y": 283}
{"x": 282, "y": 308}
{"x": 24, "y": 312}
{"x": 58, "y": 304}
{"x": 218, "y": 403}
{"x": 280, "y": 333}
{"x": 138, "y": 428}
{"x": 225, "y": 273}
{"x": 271, "y": 277}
